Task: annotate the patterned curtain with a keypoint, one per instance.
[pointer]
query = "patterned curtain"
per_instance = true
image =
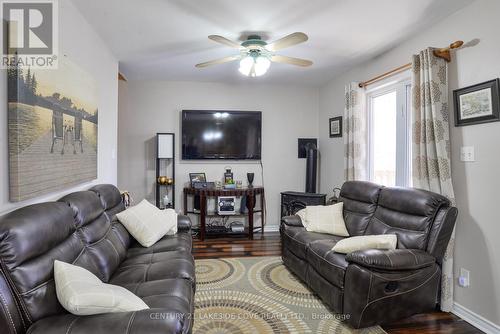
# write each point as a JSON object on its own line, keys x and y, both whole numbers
{"x": 355, "y": 133}
{"x": 431, "y": 144}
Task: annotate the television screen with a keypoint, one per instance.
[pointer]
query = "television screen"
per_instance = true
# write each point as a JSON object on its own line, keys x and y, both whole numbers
{"x": 221, "y": 135}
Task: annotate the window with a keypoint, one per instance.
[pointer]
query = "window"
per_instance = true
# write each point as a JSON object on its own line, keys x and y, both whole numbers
{"x": 389, "y": 131}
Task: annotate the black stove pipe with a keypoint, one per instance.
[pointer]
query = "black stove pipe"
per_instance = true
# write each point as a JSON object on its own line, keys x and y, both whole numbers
{"x": 311, "y": 167}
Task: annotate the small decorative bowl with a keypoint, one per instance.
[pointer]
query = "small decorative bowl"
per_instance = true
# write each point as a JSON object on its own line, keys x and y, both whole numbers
{"x": 230, "y": 186}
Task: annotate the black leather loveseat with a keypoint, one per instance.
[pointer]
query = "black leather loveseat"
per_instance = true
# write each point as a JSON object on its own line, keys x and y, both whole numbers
{"x": 376, "y": 286}
{"x": 81, "y": 228}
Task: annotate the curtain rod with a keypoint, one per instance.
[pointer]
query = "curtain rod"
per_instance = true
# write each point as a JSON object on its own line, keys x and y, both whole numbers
{"x": 440, "y": 53}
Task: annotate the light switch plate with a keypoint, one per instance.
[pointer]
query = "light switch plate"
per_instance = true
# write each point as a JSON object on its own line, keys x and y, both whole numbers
{"x": 467, "y": 154}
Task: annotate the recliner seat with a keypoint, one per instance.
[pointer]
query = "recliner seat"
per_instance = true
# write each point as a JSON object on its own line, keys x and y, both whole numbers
{"x": 375, "y": 286}
{"x": 81, "y": 228}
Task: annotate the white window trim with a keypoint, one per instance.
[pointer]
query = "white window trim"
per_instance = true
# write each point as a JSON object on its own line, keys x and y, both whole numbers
{"x": 402, "y": 85}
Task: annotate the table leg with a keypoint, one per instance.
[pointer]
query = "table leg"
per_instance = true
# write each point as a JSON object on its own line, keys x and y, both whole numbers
{"x": 262, "y": 212}
{"x": 185, "y": 203}
{"x": 203, "y": 209}
{"x": 251, "y": 200}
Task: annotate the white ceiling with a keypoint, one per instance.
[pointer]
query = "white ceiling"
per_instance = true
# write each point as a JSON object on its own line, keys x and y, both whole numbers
{"x": 164, "y": 39}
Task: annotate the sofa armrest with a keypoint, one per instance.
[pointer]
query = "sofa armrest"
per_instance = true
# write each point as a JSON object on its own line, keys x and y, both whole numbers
{"x": 397, "y": 259}
{"x": 183, "y": 223}
{"x": 293, "y": 220}
{"x": 146, "y": 321}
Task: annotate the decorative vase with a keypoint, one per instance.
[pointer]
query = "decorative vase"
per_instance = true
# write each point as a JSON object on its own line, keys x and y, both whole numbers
{"x": 169, "y": 181}
{"x": 250, "y": 177}
{"x": 162, "y": 180}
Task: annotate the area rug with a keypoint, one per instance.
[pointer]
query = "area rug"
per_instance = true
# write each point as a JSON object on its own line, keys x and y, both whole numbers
{"x": 259, "y": 295}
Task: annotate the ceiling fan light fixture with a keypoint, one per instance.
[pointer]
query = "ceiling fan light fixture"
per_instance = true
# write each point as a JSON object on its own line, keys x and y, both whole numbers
{"x": 254, "y": 66}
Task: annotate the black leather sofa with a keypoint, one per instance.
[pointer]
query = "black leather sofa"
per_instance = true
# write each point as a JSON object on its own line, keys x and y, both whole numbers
{"x": 81, "y": 228}
{"x": 375, "y": 286}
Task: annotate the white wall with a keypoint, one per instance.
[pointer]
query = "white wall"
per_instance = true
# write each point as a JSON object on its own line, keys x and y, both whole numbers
{"x": 146, "y": 108}
{"x": 476, "y": 184}
{"x": 80, "y": 43}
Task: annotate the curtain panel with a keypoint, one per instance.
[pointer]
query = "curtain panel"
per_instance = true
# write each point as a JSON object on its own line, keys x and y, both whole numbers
{"x": 431, "y": 144}
{"x": 355, "y": 133}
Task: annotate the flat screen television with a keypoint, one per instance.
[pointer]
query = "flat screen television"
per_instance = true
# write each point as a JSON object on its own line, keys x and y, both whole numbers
{"x": 212, "y": 134}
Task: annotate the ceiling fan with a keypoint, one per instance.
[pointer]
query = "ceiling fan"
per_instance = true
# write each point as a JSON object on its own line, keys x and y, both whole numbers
{"x": 256, "y": 55}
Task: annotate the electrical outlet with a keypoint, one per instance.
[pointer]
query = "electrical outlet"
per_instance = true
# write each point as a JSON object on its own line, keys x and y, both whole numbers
{"x": 464, "y": 278}
{"x": 467, "y": 154}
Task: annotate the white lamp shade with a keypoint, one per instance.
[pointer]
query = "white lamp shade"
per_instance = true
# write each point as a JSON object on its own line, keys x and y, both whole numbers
{"x": 165, "y": 146}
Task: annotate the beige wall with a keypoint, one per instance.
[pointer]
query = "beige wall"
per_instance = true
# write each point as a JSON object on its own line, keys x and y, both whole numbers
{"x": 476, "y": 184}
{"x": 80, "y": 43}
{"x": 146, "y": 108}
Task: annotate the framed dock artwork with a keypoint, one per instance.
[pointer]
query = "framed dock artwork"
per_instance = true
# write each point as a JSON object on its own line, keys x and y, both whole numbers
{"x": 53, "y": 122}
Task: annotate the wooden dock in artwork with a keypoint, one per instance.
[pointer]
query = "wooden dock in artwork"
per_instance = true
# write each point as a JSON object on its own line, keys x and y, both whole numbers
{"x": 35, "y": 168}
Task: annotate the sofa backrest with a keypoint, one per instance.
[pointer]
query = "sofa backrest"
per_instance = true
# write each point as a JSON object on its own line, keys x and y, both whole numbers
{"x": 31, "y": 238}
{"x": 360, "y": 201}
{"x": 407, "y": 212}
{"x": 95, "y": 230}
{"x": 111, "y": 201}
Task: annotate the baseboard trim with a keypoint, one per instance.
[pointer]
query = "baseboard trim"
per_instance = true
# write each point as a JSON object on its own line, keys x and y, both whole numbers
{"x": 271, "y": 228}
{"x": 475, "y": 319}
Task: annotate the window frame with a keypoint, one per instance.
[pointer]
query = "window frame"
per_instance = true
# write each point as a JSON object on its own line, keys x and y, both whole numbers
{"x": 400, "y": 84}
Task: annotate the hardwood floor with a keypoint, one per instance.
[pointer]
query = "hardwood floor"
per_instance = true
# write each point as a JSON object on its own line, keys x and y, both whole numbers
{"x": 269, "y": 245}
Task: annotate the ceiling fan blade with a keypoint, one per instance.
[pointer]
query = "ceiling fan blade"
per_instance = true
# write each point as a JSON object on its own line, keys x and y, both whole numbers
{"x": 225, "y": 41}
{"x": 287, "y": 41}
{"x": 291, "y": 60}
{"x": 218, "y": 61}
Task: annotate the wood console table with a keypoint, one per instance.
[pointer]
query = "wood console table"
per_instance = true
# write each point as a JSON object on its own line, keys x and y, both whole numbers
{"x": 204, "y": 194}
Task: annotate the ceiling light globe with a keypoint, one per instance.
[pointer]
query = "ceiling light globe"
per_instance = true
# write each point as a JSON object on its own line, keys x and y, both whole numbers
{"x": 262, "y": 64}
{"x": 246, "y": 65}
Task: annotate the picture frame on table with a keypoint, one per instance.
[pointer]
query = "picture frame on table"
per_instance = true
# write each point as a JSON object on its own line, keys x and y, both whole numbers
{"x": 335, "y": 127}
{"x": 197, "y": 177}
{"x": 477, "y": 104}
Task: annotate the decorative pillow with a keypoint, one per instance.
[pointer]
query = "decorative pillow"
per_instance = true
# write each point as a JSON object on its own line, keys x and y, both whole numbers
{"x": 80, "y": 292}
{"x": 326, "y": 219}
{"x": 171, "y": 218}
{"x": 148, "y": 224}
{"x": 382, "y": 241}
{"x": 302, "y": 214}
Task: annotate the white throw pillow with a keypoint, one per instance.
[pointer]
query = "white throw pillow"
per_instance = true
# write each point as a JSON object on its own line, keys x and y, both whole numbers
{"x": 382, "y": 241}
{"x": 171, "y": 219}
{"x": 302, "y": 214}
{"x": 326, "y": 219}
{"x": 80, "y": 292}
{"x": 148, "y": 224}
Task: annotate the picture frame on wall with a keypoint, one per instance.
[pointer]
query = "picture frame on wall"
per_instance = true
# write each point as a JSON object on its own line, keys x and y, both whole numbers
{"x": 335, "y": 127}
{"x": 478, "y": 103}
{"x": 197, "y": 177}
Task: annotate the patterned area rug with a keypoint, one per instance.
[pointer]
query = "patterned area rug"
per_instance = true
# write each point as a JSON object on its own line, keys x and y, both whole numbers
{"x": 259, "y": 295}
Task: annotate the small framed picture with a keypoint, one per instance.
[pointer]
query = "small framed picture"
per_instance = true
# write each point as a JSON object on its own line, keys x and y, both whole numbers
{"x": 335, "y": 127}
{"x": 197, "y": 177}
{"x": 477, "y": 104}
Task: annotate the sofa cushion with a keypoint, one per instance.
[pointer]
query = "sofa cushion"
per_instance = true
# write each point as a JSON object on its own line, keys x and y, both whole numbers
{"x": 164, "y": 293}
{"x": 326, "y": 262}
{"x": 31, "y": 238}
{"x": 112, "y": 203}
{"x": 297, "y": 239}
{"x": 408, "y": 213}
{"x": 360, "y": 201}
{"x": 168, "y": 265}
{"x": 95, "y": 230}
{"x": 182, "y": 241}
